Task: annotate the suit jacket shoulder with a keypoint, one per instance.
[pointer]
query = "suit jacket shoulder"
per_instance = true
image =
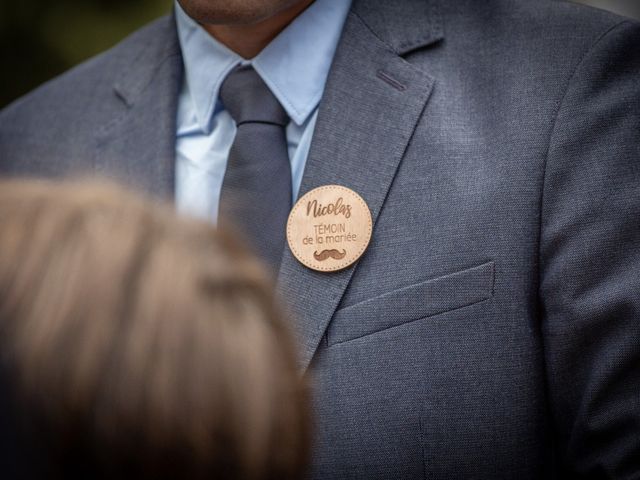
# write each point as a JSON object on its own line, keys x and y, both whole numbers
{"x": 542, "y": 38}
{"x": 51, "y": 131}
{"x": 46, "y": 131}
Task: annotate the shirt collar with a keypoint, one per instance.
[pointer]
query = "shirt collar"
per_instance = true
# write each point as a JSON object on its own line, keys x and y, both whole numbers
{"x": 295, "y": 65}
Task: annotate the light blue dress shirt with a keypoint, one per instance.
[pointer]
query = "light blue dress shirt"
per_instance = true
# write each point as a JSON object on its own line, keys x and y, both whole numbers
{"x": 295, "y": 66}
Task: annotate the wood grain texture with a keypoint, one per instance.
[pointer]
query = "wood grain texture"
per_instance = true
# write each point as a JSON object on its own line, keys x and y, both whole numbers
{"x": 329, "y": 228}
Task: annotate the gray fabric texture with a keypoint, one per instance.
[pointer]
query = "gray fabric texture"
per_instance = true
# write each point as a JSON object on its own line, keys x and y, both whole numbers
{"x": 492, "y": 328}
{"x": 256, "y": 190}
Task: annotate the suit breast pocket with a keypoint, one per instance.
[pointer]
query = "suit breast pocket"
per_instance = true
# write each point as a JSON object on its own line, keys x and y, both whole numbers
{"x": 415, "y": 302}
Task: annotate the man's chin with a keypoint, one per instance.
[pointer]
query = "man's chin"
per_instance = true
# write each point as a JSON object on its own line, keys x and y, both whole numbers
{"x": 233, "y": 12}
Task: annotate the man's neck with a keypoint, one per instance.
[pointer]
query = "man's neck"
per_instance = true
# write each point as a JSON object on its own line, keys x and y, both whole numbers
{"x": 249, "y": 40}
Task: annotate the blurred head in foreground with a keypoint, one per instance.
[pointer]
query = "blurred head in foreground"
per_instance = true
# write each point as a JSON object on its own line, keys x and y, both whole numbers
{"x": 141, "y": 345}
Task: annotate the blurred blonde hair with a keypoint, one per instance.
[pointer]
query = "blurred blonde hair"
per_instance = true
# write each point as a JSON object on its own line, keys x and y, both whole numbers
{"x": 143, "y": 345}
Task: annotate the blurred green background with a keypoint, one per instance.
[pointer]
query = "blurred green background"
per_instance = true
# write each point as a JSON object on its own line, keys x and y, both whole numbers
{"x": 40, "y": 39}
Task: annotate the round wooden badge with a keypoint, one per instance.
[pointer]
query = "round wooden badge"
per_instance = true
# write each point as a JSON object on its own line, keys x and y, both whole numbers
{"x": 329, "y": 228}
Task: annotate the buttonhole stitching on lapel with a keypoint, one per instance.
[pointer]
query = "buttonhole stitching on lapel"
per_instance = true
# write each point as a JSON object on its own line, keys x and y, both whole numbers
{"x": 391, "y": 81}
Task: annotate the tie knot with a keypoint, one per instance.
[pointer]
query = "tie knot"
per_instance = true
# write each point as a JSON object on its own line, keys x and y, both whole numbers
{"x": 248, "y": 99}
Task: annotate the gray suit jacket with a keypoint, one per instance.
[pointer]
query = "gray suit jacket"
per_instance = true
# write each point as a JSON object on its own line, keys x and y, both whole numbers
{"x": 492, "y": 329}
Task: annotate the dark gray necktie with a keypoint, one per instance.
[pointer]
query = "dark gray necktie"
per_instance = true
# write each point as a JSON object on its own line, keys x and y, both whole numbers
{"x": 256, "y": 190}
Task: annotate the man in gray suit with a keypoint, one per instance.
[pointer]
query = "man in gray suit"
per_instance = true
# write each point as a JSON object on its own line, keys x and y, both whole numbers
{"x": 492, "y": 328}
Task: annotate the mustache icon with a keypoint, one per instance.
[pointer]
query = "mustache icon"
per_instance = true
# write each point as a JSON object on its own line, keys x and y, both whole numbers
{"x": 325, "y": 254}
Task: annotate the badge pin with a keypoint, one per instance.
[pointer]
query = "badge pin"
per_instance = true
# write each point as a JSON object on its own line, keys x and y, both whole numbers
{"x": 329, "y": 228}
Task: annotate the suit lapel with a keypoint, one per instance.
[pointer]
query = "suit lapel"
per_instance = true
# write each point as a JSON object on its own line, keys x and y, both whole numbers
{"x": 138, "y": 145}
{"x": 372, "y": 103}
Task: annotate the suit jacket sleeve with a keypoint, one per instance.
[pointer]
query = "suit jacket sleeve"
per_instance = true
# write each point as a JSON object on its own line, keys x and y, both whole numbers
{"x": 590, "y": 262}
